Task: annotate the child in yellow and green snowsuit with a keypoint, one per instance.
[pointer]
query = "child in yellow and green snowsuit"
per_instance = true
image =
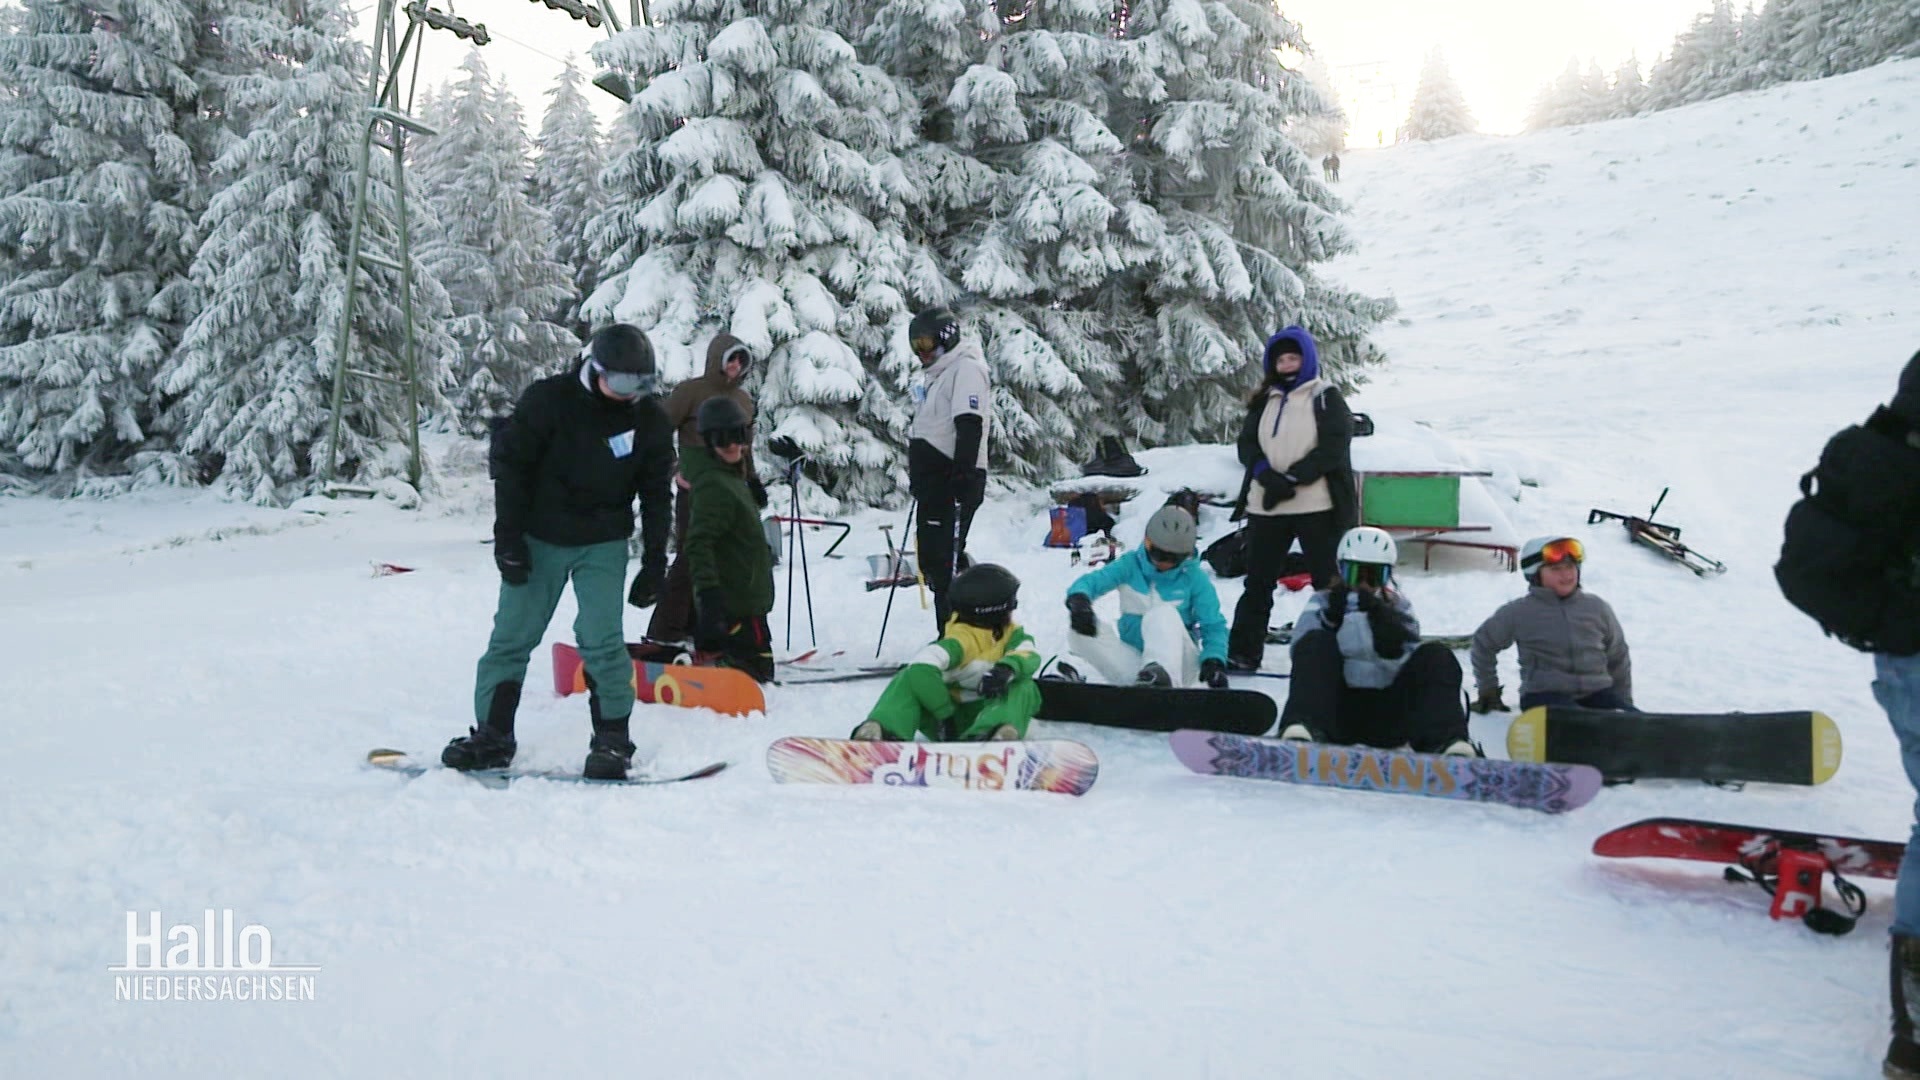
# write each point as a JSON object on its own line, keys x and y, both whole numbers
{"x": 976, "y": 681}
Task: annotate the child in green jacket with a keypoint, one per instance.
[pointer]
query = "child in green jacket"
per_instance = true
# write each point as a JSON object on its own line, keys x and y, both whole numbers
{"x": 726, "y": 547}
{"x": 976, "y": 681}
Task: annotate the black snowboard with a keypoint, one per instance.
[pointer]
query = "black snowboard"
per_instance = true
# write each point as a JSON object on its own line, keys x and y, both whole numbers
{"x": 1237, "y": 712}
{"x": 1779, "y": 748}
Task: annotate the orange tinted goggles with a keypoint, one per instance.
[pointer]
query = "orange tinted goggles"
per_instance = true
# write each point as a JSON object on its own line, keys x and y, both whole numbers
{"x": 922, "y": 344}
{"x": 1562, "y": 550}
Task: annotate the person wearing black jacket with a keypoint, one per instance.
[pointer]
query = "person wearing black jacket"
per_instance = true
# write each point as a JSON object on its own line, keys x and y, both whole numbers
{"x": 566, "y": 468}
{"x": 1295, "y": 444}
{"x": 947, "y": 451}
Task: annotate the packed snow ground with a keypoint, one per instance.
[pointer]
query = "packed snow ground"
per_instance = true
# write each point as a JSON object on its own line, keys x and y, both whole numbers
{"x": 1695, "y": 299}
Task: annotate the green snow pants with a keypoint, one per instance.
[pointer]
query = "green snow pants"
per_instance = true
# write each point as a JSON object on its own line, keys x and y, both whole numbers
{"x": 918, "y": 700}
{"x": 599, "y": 575}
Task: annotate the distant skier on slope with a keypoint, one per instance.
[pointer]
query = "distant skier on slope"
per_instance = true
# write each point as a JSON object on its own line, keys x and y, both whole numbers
{"x": 567, "y": 466}
{"x": 1171, "y": 631}
{"x": 976, "y": 681}
{"x": 729, "y": 563}
{"x": 1572, "y": 648}
{"x": 1360, "y": 674}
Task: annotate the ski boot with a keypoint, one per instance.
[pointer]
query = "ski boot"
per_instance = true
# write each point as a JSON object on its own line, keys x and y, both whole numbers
{"x": 490, "y": 745}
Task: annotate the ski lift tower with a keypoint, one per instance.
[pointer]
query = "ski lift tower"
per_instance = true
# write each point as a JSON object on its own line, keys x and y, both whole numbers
{"x": 388, "y": 122}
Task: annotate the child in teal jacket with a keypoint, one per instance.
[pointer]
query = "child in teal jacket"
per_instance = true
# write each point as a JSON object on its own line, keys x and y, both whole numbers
{"x": 1171, "y": 632}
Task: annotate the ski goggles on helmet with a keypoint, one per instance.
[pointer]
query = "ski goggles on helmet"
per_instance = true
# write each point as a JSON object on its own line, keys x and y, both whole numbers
{"x": 1164, "y": 559}
{"x": 728, "y": 436}
{"x": 628, "y": 384}
{"x": 1356, "y": 574}
{"x": 924, "y": 344}
{"x": 1565, "y": 549}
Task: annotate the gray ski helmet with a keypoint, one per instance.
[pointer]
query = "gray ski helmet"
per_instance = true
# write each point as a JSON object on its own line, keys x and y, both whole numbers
{"x": 622, "y": 347}
{"x": 934, "y": 330}
{"x": 722, "y": 422}
{"x": 1171, "y": 530}
{"x": 984, "y": 590}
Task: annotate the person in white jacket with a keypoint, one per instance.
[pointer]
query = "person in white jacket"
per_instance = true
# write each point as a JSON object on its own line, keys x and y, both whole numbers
{"x": 947, "y": 448}
{"x": 1360, "y": 673}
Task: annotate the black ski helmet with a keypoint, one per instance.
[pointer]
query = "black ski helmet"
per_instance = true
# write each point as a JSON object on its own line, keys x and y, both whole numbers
{"x": 985, "y": 594}
{"x": 936, "y": 325}
{"x": 622, "y": 347}
{"x": 722, "y": 415}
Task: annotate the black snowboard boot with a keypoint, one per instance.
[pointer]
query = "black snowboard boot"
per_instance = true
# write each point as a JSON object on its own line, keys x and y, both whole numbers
{"x": 491, "y": 745}
{"x": 610, "y": 754}
{"x": 1155, "y": 676}
{"x": 757, "y": 664}
{"x": 1903, "y": 1054}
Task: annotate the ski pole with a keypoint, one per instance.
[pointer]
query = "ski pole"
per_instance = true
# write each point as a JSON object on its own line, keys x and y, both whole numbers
{"x": 895, "y": 571}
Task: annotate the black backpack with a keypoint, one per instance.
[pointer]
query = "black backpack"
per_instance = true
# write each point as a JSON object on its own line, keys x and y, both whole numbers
{"x": 1851, "y": 555}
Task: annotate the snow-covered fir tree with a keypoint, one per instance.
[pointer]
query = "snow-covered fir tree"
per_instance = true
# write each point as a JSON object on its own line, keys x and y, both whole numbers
{"x": 1323, "y": 130}
{"x": 1628, "y": 94}
{"x": 566, "y": 184}
{"x": 1235, "y": 216}
{"x": 1438, "y": 110}
{"x": 762, "y": 196}
{"x": 1704, "y": 62}
{"x": 1043, "y": 261}
{"x": 249, "y": 385}
{"x": 101, "y": 150}
{"x": 1576, "y": 97}
{"x": 489, "y": 246}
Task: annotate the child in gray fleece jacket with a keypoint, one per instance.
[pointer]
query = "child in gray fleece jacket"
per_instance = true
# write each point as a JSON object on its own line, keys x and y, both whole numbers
{"x": 1572, "y": 649}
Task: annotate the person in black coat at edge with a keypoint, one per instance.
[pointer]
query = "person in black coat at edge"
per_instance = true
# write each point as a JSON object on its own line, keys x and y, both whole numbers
{"x": 1295, "y": 443}
{"x": 566, "y": 468}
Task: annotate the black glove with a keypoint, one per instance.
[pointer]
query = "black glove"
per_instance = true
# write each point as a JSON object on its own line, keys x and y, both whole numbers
{"x": 510, "y": 554}
{"x": 1080, "y": 614}
{"x": 1489, "y": 700}
{"x": 995, "y": 682}
{"x": 1213, "y": 673}
{"x": 969, "y": 486}
{"x": 710, "y": 620}
{"x": 758, "y": 490}
{"x": 646, "y": 585}
{"x": 1391, "y": 632}
{"x": 784, "y": 446}
{"x": 1278, "y": 486}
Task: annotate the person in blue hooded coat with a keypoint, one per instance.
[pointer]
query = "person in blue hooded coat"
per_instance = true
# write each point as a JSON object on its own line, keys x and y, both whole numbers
{"x": 1295, "y": 443}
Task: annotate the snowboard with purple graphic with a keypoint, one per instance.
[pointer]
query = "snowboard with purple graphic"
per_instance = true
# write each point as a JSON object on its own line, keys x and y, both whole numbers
{"x": 1550, "y": 788}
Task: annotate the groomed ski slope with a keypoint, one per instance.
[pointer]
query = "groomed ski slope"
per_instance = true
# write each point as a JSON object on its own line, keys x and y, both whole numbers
{"x": 1695, "y": 299}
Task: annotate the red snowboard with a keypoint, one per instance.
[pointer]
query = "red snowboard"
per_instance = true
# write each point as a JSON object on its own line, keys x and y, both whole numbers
{"x": 1745, "y": 845}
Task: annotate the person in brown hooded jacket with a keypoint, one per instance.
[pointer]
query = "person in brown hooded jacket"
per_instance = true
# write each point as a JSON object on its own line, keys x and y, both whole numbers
{"x": 728, "y": 360}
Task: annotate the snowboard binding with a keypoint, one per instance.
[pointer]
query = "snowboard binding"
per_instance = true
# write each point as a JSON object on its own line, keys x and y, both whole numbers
{"x": 1793, "y": 875}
